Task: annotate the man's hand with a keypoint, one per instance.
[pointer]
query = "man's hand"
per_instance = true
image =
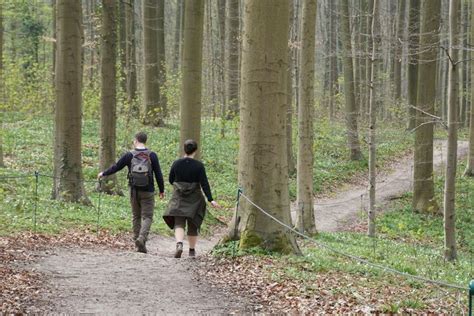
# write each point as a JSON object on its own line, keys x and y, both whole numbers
{"x": 162, "y": 195}
{"x": 100, "y": 175}
{"x": 215, "y": 204}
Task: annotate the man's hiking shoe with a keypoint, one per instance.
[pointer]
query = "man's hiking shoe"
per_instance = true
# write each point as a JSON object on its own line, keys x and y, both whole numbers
{"x": 179, "y": 250}
{"x": 192, "y": 253}
{"x": 140, "y": 244}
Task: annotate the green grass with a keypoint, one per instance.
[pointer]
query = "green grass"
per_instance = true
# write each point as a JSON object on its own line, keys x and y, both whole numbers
{"x": 28, "y": 148}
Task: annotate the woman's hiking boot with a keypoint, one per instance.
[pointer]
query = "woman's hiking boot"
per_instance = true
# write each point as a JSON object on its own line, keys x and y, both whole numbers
{"x": 179, "y": 250}
{"x": 192, "y": 252}
{"x": 140, "y": 244}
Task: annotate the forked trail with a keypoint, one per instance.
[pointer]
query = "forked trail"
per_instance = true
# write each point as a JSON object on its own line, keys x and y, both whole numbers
{"x": 125, "y": 282}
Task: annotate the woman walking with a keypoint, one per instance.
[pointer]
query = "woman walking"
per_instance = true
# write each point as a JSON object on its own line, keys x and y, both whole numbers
{"x": 187, "y": 206}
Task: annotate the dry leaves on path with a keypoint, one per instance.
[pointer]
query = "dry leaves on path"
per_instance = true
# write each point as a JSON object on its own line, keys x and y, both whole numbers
{"x": 273, "y": 289}
{"x": 25, "y": 291}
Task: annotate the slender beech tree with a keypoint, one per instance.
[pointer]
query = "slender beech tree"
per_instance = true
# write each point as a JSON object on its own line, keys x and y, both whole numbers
{"x": 53, "y": 8}
{"x": 470, "y": 157}
{"x": 232, "y": 68}
{"x": 68, "y": 184}
{"x": 453, "y": 105}
{"x": 413, "y": 43}
{"x": 161, "y": 57}
{"x": 397, "y": 71}
{"x": 352, "y": 111}
{"x": 2, "y": 164}
{"x": 263, "y": 170}
{"x": 154, "y": 111}
{"x": 221, "y": 16}
{"x": 423, "y": 183}
{"x": 305, "y": 213}
{"x": 192, "y": 75}
{"x": 333, "y": 73}
{"x": 130, "y": 56}
{"x": 177, "y": 34}
{"x": 289, "y": 85}
{"x": 122, "y": 42}
{"x": 108, "y": 99}
{"x": 375, "y": 28}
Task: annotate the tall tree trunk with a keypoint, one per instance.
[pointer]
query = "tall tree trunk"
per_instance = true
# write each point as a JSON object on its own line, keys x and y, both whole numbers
{"x": 263, "y": 170}
{"x": 161, "y": 58}
{"x": 289, "y": 96}
{"x": 352, "y": 111}
{"x": 464, "y": 65}
{"x": 122, "y": 43}
{"x": 305, "y": 221}
{"x": 108, "y": 99}
{"x": 2, "y": 164}
{"x": 68, "y": 184}
{"x": 192, "y": 75}
{"x": 221, "y": 14}
{"x": 232, "y": 33}
{"x": 397, "y": 72}
{"x": 470, "y": 158}
{"x": 130, "y": 57}
{"x": 423, "y": 187}
{"x": 413, "y": 43}
{"x": 177, "y": 34}
{"x": 375, "y": 28}
{"x": 53, "y": 9}
{"x": 154, "y": 112}
{"x": 333, "y": 74}
{"x": 90, "y": 24}
{"x": 451, "y": 163}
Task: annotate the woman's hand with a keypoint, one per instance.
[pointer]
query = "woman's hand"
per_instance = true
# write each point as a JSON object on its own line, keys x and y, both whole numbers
{"x": 215, "y": 204}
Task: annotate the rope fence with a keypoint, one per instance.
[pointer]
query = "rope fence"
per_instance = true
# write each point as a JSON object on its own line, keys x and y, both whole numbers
{"x": 348, "y": 255}
{"x": 37, "y": 175}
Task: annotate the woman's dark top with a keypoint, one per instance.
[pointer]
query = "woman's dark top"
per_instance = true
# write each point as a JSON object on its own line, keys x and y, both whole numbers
{"x": 190, "y": 170}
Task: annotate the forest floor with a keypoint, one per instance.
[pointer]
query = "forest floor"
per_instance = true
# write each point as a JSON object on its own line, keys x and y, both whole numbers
{"x": 80, "y": 273}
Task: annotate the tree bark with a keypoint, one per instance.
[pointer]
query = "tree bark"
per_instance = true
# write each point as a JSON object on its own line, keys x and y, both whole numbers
{"x": 413, "y": 43}
{"x": 352, "y": 111}
{"x": 423, "y": 187}
{"x": 2, "y": 164}
{"x": 289, "y": 96}
{"x": 122, "y": 42}
{"x": 68, "y": 184}
{"x": 130, "y": 57}
{"x": 192, "y": 74}
{"x": 397, "y": 71}
{"x": 232, "y": 68}
{"x": 161, "y": 58}
{"x": 333, "y": 74}
{"x": 470, "y": 158}
{"x": 177, "y": 34}
{"x": 451, "y": 163}
{"x": 108, "y": 100}
{"x": 53, "y": 9}
{"x": 375, "y": 27}
{"x": 263, "y": 170}
{"x": 305, "y": 221}
{"x": 154, "y": 112}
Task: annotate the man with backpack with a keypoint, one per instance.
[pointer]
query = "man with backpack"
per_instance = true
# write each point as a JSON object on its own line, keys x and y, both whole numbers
{"x": 142, "y": 163}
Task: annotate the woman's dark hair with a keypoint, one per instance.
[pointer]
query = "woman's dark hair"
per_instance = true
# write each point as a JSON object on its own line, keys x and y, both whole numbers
{"x": 190, "y": 146}
{"x": 141, "y": 137}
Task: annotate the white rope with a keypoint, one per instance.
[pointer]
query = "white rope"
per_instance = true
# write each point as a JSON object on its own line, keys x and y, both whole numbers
{"x": 353, "y": 257}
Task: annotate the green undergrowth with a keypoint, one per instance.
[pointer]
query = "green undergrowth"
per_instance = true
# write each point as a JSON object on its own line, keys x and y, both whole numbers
{"x": 27, "y": 145}
{"x": 406, "y": 241}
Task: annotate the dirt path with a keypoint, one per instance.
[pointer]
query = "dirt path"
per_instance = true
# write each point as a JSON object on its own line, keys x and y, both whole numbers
{"x": 125, "y": 282}
{"x": 334, "y": 213}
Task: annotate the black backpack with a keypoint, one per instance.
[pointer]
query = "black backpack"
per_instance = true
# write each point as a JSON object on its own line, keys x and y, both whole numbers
{"x": 140, "y": 169}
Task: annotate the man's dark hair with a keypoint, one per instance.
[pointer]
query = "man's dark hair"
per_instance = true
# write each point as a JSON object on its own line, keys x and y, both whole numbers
{"x": 190, "y": 146}
{"x": 141, "y": 137}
